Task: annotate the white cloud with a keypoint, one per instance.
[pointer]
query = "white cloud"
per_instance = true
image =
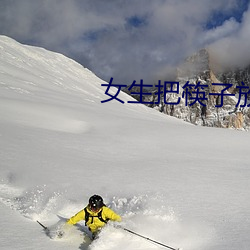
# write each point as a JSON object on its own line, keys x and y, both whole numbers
{"x": 228, "y": 28}
{"x": 97, "y": 33}
{"x": 233, "y": 50}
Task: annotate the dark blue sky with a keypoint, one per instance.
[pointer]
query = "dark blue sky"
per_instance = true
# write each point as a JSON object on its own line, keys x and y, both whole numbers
{"x": 131, "y": 39}
{"x": 218, "y": 17}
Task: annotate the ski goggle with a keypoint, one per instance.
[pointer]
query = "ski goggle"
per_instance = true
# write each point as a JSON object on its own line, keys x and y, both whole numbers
{"x": 94, "y": 208}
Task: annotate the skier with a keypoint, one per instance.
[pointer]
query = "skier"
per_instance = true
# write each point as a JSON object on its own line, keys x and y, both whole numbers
{"x": 95, "y": 214}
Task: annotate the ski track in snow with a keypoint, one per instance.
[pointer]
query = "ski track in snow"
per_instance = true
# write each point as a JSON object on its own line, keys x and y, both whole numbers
{"x": 43, "y": 117}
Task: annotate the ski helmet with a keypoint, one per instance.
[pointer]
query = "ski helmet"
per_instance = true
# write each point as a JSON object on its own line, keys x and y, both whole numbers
{"x": 95, "y": 202}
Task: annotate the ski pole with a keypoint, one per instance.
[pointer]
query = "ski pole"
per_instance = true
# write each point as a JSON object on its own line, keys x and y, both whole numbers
{"x": 45, "y": 228}
{"x": 146, "y": 238}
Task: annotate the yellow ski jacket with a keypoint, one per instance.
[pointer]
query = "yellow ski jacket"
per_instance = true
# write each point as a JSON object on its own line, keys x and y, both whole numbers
{"x": 94, "y": 223}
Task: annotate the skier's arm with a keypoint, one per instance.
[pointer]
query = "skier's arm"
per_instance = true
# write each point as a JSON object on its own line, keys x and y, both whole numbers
{"x": 110, "y": 214}
{"x": 77, "y": 217}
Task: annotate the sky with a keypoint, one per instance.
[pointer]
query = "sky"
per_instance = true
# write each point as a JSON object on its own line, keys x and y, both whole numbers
{"x": 133, "y": 39}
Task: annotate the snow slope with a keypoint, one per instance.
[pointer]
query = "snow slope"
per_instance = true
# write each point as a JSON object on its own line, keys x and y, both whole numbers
{"x": 179, "y": 184}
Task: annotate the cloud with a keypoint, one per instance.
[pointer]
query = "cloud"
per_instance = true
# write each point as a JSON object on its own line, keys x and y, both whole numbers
{"x": 127, "y": 40}
{"x": 233, "y": 49}
{"x": 228, "y": 28}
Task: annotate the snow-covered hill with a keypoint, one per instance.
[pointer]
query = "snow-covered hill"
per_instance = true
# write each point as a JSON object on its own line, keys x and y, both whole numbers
{"x": 176, "y": 183}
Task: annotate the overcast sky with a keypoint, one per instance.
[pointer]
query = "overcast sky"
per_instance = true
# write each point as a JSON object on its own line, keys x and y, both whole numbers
{"x": 131, "y": 39}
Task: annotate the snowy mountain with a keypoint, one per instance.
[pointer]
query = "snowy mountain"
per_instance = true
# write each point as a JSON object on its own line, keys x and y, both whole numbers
{"x": 197, "y": 71}
{"x": 182, "y": 185}
{"x": 201, "y": 67}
